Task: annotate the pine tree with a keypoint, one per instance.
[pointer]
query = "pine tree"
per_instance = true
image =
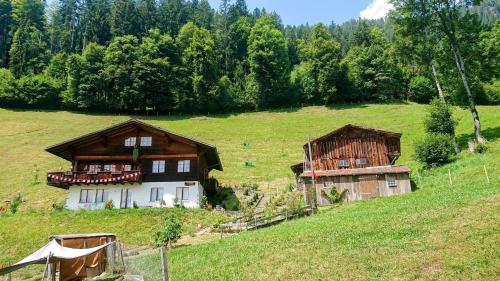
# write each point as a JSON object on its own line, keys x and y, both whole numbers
{"x": 28, "y": 54}
{"x": 5, "y": 30}
{"x": 148, "y": 15}
{"x": 95, "y": 22}
{"x": 124, "y": 18}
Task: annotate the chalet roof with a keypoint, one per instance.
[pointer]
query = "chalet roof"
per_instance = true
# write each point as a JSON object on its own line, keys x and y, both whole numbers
{"x": 360, "y": 171}
{"x": 63, "y": 149}
{"x": 351, "y": 126}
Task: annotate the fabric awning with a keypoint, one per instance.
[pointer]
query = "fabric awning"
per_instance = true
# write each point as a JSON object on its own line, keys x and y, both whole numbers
{"x": 55, "y": 251}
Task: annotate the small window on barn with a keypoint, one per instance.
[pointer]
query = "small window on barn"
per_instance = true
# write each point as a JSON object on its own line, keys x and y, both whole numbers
{"x": 327, "y": 184}
{"x": 391, "y": 182}
{"x": 343, "y": 163}
{"x": 158, "y": 166}
{"x": 146, "y": 141}
{"x": 130, "y": 141}
{"x": 361, "y": 162}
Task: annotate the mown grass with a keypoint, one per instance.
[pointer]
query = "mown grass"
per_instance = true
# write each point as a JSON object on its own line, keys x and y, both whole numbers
{"x": 438, "y": 232}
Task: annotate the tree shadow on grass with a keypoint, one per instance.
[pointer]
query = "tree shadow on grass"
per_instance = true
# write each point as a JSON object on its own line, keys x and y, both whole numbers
{"x": 491, "y": 134}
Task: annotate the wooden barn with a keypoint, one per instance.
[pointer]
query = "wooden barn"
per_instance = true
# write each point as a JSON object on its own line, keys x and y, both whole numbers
{"x": 352, "y": 158}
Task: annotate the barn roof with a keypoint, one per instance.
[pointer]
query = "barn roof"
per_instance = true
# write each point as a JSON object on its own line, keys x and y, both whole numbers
{"x": 63, "y": 149}
{"x": 347, "y": 127}
{"x": 360, "y": 171}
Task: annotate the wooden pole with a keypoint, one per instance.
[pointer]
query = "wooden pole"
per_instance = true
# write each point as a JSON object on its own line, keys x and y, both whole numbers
{"x": 486, "y": 173}
{"x": 311, "y": 166}
{"x": 449, "y": 176}
{"x": 46, "y": 266}
{"x": 164, "y": 263}
{"x": 110, "y": 252}
{"x": 120, "y": 251}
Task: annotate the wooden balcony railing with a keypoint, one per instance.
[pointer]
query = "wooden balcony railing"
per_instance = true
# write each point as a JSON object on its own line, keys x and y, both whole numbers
{"x": 65, "y": 179}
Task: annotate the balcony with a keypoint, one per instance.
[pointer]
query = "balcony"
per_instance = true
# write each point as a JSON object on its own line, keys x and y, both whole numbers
{"x": 65, "y": 179}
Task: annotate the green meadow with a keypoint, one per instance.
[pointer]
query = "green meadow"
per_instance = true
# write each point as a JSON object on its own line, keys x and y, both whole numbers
{"x": 437, "y": 232}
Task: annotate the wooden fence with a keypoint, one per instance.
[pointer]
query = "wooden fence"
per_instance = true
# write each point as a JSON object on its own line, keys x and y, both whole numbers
{"x": 261, "y": 220}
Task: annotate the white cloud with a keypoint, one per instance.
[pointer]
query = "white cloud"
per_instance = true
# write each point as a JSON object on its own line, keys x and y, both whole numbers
{"x": 376, "y": 9}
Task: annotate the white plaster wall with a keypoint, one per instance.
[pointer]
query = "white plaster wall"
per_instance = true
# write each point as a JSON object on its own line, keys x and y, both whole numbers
{"x": 140, "y": 194}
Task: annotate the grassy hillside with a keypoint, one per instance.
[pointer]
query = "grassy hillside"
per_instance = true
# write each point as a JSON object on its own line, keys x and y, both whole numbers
{"x": 439, "y": 232}
{"x": 442, "y": 229}
{"x": 275, "y": 140}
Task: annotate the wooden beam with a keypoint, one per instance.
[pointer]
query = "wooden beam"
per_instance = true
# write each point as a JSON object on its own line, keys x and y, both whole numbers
{"x": 127, "y": 157}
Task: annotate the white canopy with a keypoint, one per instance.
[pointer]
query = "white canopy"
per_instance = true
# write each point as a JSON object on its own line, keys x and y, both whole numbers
{"x": 55, "y": 251}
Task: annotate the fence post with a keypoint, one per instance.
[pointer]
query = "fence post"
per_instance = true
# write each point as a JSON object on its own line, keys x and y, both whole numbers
{"x": 286, "y": 215}
{"x": 8, "y": 277}
{"x": 120, "y": 251}
{"x": 164, "y": 263}
{"x": 110, "y": 252}
{"x": 486, "y": 173}
{"x": 449, "y": 175}
{"x": 220, "y": 226}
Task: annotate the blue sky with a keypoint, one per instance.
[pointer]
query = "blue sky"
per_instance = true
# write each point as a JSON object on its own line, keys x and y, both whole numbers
{"x": 296, "y": 12}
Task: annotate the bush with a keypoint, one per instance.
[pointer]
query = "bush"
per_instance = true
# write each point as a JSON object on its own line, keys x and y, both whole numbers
{"x": 480, "y": 148}
{"x": 440, "y": 119}
{"x": 204, "y": 202}
{"x": 492, "y": 92}
{"x": 15, "y": 203}
{"x": 421, "y": 89}
{"x": 110, "y": 205}
{"x": 168, "y": 232}
{"x": 334, "y": 196}
{"x": 434, "y": 150}
{"x": 58, "y": 206}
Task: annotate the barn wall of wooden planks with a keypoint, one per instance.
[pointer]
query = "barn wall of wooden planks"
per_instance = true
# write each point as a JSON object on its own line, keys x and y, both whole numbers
{"x": 379, "y": 149}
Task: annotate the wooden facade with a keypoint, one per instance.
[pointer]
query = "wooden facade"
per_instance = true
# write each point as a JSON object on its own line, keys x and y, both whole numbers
{"x": 134, "y": 152}
{"x": 356, "y": 159}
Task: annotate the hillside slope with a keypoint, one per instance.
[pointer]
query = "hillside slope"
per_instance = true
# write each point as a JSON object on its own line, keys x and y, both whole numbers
{"x": 275, "y": 140}
{"x": 439, "y": 232}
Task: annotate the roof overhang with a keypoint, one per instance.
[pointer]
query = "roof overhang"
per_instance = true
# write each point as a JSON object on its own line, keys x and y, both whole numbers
{"x": 359, "y": 171}
{"x": 64, "y": 149}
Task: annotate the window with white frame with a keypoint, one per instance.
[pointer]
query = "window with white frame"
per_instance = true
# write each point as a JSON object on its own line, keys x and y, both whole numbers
{"x": 146, "y": 141}
{"x": 87, "y": 195}
{"x": 158, "y": 166}
{"x": 327, "y": 184}
{"x": 107, "y": 168}
{"x": 130, "y": 141}
{"x": 391, "y": 181}
{"x": 127, "y": 168}
{"x": 156, "y": 194}
{"x": 92, "y": 169}
{"x": 343, "y": 163}
{"x": 99, "y": 196}
{"x": 361, "y": 161}
{"x": 182, "y": 193}
{"x": 183, "y": 166}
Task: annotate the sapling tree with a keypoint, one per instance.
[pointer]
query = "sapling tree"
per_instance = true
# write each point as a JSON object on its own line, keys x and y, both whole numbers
{"x": 168, "y": 232}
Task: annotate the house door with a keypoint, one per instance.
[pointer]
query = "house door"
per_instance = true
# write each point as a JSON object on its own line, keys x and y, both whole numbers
{"x": 368, "y": 186}
{"x": 126, "y": 199}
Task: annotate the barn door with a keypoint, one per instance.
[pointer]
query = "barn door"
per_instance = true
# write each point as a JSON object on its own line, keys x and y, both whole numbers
{"x": 368, "y": 186}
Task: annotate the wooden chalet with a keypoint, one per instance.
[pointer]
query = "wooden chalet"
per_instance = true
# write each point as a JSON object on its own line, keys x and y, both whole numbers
{"x": 134, "y": 163}
{"x": 356, "y": 159}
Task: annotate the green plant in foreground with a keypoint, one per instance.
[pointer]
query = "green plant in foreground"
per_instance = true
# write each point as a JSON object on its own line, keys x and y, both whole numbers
{"x": 109, "y": 205}
{"x": 15, "y": 203}
{"x": 168, "y": 232}
{"x": 334, "y": 196}
{"x": 434, "y": 150}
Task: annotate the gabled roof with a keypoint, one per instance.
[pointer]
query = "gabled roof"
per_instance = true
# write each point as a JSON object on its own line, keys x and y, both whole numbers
{"x": 63, "y": 149}
{"x": 351, "y": 126}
